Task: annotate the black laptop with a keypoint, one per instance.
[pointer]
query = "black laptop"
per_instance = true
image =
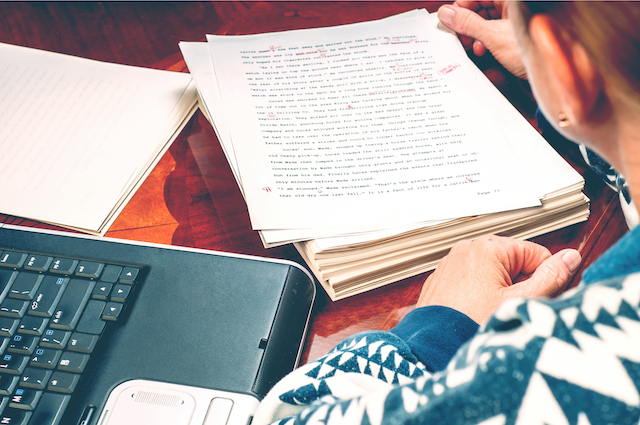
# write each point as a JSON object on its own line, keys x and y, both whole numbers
{"x": 105, "y": 331}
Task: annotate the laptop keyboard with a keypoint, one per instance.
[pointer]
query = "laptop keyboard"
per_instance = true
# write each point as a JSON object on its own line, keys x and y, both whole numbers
{"x": 52, "y": 313}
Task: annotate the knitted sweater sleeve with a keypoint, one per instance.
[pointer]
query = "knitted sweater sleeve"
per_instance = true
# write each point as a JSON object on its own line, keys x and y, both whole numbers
{"x": 434, "y": 334}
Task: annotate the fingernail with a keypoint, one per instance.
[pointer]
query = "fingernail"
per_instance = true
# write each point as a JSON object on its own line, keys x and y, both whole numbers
{"x": 447, "y": 14}
{"x": 571, "y": 259}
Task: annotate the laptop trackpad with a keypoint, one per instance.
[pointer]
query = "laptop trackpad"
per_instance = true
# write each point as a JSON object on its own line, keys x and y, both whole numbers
{"x": 148, "y": 402}
{"x": 142, "y": 404}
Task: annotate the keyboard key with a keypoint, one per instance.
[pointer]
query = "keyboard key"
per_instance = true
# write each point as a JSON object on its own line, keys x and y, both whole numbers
{"x": 52, "y": 314}
{"x": 63, "y": 266}
{"x": 91, "y": 321}
{"x": 8, "y": 326}
{"x": 13, "y": 364}
{"x": 25, "y": 285}
{"x": 89, "y": 269}
{"x": 112, "y": 311}
{"x": 50, "y": 409}
{"x": 120, "y": 293}
{"x": 73, "y": 362}
{"x": 35, "y": 378}
{"x": 38, "y": 263}
{"x": 4, "y": 344}
{"x": 12, "y": 307}
{"x": 55, "y": 338}
{"x": 63, "y": 382}
{"x": 70, "y": 307}
{"x": 47, "y": 296}
{"x": 8, "y": 383}
{"x": 12, "y": 259}
{"x": 129, "y": 275}
{"x": 82, "y": 343}
{"x": 32, "y": 325}
{"x": 111, "y": 273}
{"x": 6, "y": 279}
{"x": 46, "y": 358}
{"x": 23, "y": 344}
{"x": 4, "y": 403}
{"x": 15, "y": 417}
{"x": 101, "y": 291}
{"x": 25, "y": 399}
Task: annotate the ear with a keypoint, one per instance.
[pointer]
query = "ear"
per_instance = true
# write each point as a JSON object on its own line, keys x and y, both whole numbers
{"x": 579, "y": 83}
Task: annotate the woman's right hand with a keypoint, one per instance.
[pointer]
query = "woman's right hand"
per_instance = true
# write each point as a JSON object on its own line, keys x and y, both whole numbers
{"x": 477, "y": 276}
{"x": 484, "y": 26}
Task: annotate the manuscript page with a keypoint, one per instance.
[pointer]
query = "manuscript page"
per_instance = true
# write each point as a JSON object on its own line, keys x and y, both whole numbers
{"x": 375, "y": 124}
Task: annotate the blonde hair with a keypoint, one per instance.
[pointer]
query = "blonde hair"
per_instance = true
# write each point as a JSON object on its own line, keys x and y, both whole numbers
{"x": 609, "y": 31}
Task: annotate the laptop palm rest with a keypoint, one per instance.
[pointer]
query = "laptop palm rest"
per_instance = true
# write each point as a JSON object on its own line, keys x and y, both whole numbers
{"x": 141, "y": 401}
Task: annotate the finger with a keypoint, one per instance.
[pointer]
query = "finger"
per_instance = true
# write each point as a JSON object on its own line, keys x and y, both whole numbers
{"x": 478, "y": 48}
{"x": 532, "y": 256}
{"x": 468, "y": 4}
{"x": 463, "y": 21}
{"x": 515, "y": 256}
{"x": 502, "y": 7}
{"x": 552, "y": 276}
{"x": 466, "y": 41}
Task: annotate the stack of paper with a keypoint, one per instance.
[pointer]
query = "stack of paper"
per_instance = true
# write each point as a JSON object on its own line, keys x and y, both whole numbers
{"x": 79, "y": 136}
{"x": 374, "y": 147}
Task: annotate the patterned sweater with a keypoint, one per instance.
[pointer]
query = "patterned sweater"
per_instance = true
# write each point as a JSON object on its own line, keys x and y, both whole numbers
{"x": 574, "y": 359}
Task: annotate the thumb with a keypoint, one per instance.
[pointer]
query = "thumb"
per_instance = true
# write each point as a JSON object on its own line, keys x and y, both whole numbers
{"x": 551, "y": 276}
{"x": 463, "y": 21}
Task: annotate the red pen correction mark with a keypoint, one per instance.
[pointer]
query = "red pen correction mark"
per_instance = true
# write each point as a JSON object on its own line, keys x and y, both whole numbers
{"x": 447, "y": 69}
{"x": 399, "y": 68}
{"x": 266, "y": 189}
{"x": 270, "y": 49}
{"x": 468, "y": 179}
{"x": 400, "y": 40}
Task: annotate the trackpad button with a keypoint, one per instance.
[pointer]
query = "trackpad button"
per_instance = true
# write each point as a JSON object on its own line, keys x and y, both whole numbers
{"x": 219, "y": 411}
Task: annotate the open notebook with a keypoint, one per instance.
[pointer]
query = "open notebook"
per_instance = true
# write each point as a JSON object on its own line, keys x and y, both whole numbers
{"x": 105, "y": 331}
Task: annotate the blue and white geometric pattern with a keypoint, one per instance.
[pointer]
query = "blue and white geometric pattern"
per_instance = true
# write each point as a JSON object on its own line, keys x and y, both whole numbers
{"x": 373, "y": 353}
{"x": 570, "y": 360}
{"x": 377, "y": 354}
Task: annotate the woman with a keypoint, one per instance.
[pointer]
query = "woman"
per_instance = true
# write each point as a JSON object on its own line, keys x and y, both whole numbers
{"x": 570, "y": 359}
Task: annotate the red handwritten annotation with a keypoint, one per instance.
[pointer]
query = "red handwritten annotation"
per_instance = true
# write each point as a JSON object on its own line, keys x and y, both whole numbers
{"x": 396, "y": 40}
{"x": 270, "y": 49}
{"x": 449, "y": 68}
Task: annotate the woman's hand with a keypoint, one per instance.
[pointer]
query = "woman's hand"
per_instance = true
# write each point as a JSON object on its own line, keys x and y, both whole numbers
{"x": 479, "y": 25}
{"x": 475, "y": 277}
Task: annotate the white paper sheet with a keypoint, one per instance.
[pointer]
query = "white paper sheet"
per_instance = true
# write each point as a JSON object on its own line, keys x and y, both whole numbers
{"x": 75, "y": 134}
{"x": 364, "y": 118}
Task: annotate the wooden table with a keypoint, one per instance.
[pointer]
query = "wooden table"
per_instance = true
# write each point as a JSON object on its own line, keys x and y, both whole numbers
{"x": 197, "y": 203}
